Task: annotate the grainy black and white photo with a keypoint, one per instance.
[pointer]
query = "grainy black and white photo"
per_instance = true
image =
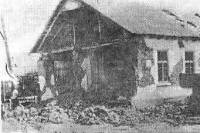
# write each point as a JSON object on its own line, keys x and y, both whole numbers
{"x": 100, "y": 66}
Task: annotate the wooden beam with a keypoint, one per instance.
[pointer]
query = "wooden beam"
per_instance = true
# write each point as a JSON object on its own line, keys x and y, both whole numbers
{"x": 99, "y": 26}
{"x": 63, "y": 50}
{"x": 83, "y": 48}
{"x": 98, "y": 46}
{"x": 74, "y": 36}
{"x": 60, "y": 28}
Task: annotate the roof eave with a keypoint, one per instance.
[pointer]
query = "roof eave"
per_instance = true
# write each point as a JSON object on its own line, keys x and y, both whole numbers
{"x": 40, "y": 40}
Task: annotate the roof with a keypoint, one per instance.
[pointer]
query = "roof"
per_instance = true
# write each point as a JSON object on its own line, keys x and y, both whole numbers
{"x": 136, "y": 18}
{"x": 142, "y": 19}
{"x": 189, "y": 19}
{"x": 194, "y": 18}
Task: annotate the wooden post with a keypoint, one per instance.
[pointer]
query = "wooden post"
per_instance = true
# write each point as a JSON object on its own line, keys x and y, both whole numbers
{"x": 3, "y": 89}
{"x": 99, "y": 25}
{"x": 74, "y": 35}
{"x": 76, "y": 66}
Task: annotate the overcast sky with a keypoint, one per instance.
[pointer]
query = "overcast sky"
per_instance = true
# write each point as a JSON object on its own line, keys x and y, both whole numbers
{"x": 25, "y": 19}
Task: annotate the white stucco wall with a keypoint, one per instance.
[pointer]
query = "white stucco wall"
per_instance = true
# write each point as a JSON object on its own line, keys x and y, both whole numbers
{"x": 174, "y": 53}
{"x": 150, "y": 95}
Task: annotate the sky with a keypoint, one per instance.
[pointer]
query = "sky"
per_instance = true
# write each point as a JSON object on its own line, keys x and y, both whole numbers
{"x": 26, "y": 19}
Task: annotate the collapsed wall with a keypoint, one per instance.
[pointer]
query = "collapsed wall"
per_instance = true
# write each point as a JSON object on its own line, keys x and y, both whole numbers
{"x": 105, "y": 73}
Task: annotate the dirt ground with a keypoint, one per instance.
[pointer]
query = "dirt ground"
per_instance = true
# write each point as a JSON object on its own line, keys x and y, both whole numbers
{"x": 70, "y": 127}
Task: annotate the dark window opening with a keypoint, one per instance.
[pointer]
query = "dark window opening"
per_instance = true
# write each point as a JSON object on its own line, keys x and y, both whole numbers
{"x": 162, "y": 66}
{"x": 189, "y": 62}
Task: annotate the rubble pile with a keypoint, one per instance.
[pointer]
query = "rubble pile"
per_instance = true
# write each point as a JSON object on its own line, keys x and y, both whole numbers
{"x": 97, "y": 115}
{"x": 130, "y": 117}
{"x": 169, "y": 112}
{"x": 194, "y": 105}
{"x": 49, "y": 113}
{"x": 116, "y": 116}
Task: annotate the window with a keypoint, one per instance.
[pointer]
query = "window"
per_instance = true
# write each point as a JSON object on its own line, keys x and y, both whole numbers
{"x": 189, "y": 62}
{"x": 162, "y": 66}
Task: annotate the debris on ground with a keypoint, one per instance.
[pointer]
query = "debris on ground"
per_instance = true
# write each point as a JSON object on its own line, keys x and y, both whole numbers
{"x": 97, "y": 115}
{"x": 168, "y": 111}
{"x": 50, "y": 113}
{"x": 171, "y": 112}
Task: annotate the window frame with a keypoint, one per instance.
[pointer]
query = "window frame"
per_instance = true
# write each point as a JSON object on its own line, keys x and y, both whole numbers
{"x": 191, "y": 62}
{"x": 163, "y": 62}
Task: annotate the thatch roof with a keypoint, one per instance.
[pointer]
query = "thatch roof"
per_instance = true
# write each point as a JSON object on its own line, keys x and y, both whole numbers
{"x": 136, "y": 18}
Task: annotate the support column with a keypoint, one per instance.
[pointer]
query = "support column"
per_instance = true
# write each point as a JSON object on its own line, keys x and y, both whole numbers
{"x": 183, "y": 57}
{"x": 154, "y": 68}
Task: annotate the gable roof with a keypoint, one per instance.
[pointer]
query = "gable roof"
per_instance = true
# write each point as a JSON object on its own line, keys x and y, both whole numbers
{"x": 142, "y": 19}
{"x": 136, "y": 18}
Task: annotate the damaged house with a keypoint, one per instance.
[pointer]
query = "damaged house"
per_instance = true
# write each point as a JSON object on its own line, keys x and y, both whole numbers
{"x": 115, "y": 50}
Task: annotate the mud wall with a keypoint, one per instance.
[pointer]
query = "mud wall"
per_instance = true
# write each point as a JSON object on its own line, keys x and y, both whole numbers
{"x": 113, "y": 72}
{"x": 106, "y": 73}
{"x": 145, "y": 58}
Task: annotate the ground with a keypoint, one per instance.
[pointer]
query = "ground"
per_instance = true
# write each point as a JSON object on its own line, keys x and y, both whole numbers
{"x": 69, "y": 127}
{"x": 165, "y": 112}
